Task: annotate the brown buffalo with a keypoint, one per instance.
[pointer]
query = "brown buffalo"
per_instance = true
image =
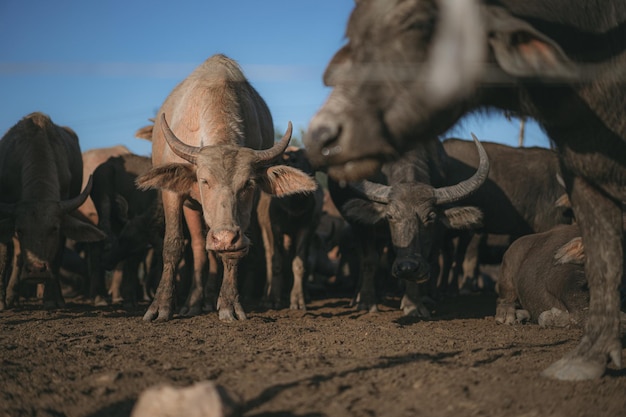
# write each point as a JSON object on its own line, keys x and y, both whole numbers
{"x": 40, "y": 188}
{"x": 411, "y": 68}
{"x": 288, "y": 226}
{"x": 212, "y": 150}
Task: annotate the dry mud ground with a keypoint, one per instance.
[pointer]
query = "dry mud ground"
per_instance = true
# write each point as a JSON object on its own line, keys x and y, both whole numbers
{"x": 330, "y": 361}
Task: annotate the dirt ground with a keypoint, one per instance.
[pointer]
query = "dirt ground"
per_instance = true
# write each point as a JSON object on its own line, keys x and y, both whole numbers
{"x": 330, "y": 361}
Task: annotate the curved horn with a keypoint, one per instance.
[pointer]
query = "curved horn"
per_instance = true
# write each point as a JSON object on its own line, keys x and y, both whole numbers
{"x": 67, "y": 206}
{"x": 378, "y": 193}
{"x": 267, "y": 155}
{"x": 465, "y": 188}
{"x": 187, "y": 152}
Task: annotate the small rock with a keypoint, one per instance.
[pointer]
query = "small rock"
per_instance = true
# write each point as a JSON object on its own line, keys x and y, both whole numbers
{"x": 202, "y": 399}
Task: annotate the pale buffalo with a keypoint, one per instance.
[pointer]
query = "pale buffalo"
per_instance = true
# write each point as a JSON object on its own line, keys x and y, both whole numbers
{"x": 212, "y": 151}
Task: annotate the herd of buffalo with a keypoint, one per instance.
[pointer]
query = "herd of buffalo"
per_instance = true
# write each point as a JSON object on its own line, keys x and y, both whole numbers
{"x": 219, "y": 196}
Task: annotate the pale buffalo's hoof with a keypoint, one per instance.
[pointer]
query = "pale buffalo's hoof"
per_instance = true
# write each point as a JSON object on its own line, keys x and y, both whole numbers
{"x": 157, "y": 313}
{"x": 231, "y": 312}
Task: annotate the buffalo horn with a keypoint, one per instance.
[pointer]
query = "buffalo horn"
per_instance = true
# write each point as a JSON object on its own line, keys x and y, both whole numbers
{"x": 67, "y": 206}
{"x": 378, "y": 193}
{"x": 267, "y": 155}
{"x": 187, "y": 152}
{"x": 463, "y": 189}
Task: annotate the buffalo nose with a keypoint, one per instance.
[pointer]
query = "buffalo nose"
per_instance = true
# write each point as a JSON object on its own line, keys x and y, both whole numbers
{"x": 36, "y": 267}
{"x": 406, "y": 269}
{"x": 224, "y": 239}
{"x": 321, "y": 141}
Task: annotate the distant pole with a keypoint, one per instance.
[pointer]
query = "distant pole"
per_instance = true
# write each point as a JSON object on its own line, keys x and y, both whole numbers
{"x": 522, "y": 128}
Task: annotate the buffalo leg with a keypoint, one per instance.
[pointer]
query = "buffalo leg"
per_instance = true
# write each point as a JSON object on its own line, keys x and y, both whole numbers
{"x": 194, "y": 302}
{"x": 12, "y": 291}
{"x": 507, "y": 294}
{"x": 299, "y": 266}
{"x": 228, "y": 304}
{"x": 604, "y": 270}
{"x": 369, "y": 258}
{"x": 161, "y": 308}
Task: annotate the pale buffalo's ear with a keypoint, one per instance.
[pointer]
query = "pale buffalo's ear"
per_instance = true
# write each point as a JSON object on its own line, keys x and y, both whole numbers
{"x": 282, "y": 180}
{"x": 462, "y": 218}
{"x": 177, "y": 178}
{"x": 80, "y": 231}
{"x": 523, "y": 51}
{"x": 7, "y": 230}
{"x": 363, "y": 211}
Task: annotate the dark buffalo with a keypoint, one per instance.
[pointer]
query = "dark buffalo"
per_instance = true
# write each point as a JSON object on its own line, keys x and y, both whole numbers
{"x": 288, "y": 225}
{"x": 92, "y": 158}
{"x": 217, "y": 153}
{"x": 412, "y": 68}
{"x": 519, "y": 197}
{"x": 40, "y": 188}
{"x": 131, "y": 218}
{"x": 543, "y": 274}
{"x": 410, "y": 204}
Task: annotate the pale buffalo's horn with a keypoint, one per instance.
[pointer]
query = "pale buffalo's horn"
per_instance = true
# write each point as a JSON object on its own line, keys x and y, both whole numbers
{"x": 187, "y": 152}
{"x": 267, "y": 155}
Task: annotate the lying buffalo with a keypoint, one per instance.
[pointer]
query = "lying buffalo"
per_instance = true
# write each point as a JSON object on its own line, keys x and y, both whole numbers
{"x": 411, "y": 68}
{"x": 212, "y": 151}
{"x": 40, "y": 188}
{"x": 543, "y": 274}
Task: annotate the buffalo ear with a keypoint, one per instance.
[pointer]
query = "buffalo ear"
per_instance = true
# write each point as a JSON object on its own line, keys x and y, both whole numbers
{"x": 7, "y": 230}
{"x": 282, "y": 180}
{"x": 80, "y": 231}
{"x": 462, "y": 218}
{"x": 573, "y": 252}
{"x": 177, "y": 178}
{"x": 523, "y": 51}
{"x": 335, "y": 67}
{"x": 363, "y": 211}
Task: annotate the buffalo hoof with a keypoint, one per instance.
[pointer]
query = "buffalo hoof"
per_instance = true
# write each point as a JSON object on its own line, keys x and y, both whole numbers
{"x": 297, "y": 303}
{"x": 505, "y": 314}
{"x": 157, "y": 312}
{"x": 365, "y": 301}
{"x": 555, "y": 318}
{"x": 412, "y": 308}
{"x": 190, "y": 311}
{"x": 100, "y": 301}
{"x": 522, "y": 316}
{"x": 231, "y": 312}
{"x": 574, "y": 369}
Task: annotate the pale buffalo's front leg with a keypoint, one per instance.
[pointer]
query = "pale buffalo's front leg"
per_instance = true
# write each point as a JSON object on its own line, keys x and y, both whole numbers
{"x": 162, "y": 307}
{"x": 600, "y": 221}
{"x": 228, "y": 304}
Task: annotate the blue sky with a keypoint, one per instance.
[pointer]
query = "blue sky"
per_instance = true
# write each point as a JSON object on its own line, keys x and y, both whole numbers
{"x": 104, "y": 67}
